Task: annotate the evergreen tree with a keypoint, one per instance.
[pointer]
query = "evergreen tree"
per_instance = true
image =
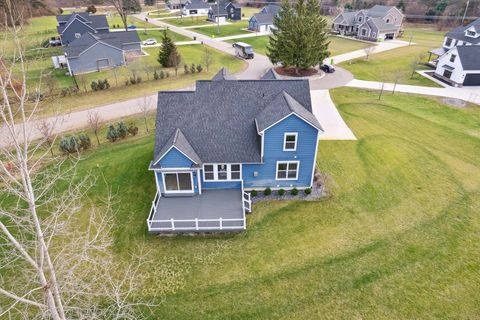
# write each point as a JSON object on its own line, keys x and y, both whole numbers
{"x": 401, "y": 5}
{"x": 300, "y": 39}
{"x": 165, "y": 51}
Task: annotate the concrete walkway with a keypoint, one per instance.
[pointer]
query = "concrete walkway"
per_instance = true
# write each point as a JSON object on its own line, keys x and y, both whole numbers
{"x": 457, "y": 93}
{"x": 329, "y": 117}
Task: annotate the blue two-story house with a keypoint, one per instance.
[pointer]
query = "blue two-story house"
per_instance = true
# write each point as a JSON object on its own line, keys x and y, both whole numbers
{"x": 228, "y": 137}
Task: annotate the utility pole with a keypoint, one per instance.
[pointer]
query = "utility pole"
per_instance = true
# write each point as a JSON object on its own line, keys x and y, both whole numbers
{"x": 465, "y": 13}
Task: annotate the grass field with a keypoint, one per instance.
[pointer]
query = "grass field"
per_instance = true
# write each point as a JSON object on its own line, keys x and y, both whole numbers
{"x": 158, "y": 35}
{"x": 188, "y": 21}
{"x": 383, "y": 66}
{"x": 232, "y": 29}
{"x": 337, "y": 45}
{"x": 247, "y": 12}
{"x": 397, "y": 237}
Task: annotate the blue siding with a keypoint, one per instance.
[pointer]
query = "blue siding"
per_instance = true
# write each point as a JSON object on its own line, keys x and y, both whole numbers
{"x": 175, "y": 159}
{"x": 273, "y": 152}
{"x": 252, "y": 24}
{"x": 158, "y": 177}
{"x": 220, "y": 184}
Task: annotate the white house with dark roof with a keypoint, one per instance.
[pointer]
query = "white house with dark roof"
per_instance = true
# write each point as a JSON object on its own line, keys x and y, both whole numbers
{"x": 73, "y": 26}
{"x": 95, "y": 52}
{"x": 378, "y": 23}
{"x": 195, "y": 8}
{"x": 227, "y": 137}
{"x": 263, "y": 20}
{"x": 460, "y": 66}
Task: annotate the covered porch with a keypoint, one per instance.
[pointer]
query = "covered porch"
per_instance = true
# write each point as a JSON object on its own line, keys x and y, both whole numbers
{"x": 212, "y": 211}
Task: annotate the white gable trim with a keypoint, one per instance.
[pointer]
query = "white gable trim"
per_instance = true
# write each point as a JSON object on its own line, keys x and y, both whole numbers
{"x": 291, "y": 113}
{"x": 66, "y": 27}
{"x": 173, "y": 146}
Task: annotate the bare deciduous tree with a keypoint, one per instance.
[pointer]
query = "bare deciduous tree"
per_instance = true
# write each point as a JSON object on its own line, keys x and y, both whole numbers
{"x": 368, "y": 51}
{"x": 397, "y": 75}
{"x": 207, "y": 57}
{"x": 54, "y": 265}
{"x": 95, "y": 123}
{"x": 144, "y": 105}
{"x": 121, "y": 10}
{"x": 45, "y": 127}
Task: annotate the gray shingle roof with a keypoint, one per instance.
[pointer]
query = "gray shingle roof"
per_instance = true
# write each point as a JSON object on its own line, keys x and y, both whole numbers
{"x": 223, "y": 74}
{"x": 469, "y": 57}
{"x": 349, "y": 18}
{"x": 280, "y": 107}
{"x": 179, "y": 141}
{"x": 115, "y": 39}
{"x": 381, "y": 25}
{"x": 459, "y": 32}
{"x": 379, "y": 10}
{"x": 270, "y": 75}
{"x": 218, "y": 119}
{"x": 197, "y": 4}
{"x": 272, "y": 9}
{"x": 95, "y": 22}
{"x": 264, "y": 18}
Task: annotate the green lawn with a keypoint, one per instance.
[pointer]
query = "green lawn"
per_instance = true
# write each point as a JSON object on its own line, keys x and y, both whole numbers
{"x": 337, "y": 45}
{"x": 247, "y": 12}
{"x": 115, "y": 22}
{"x": 397, "y": 237}
{"x": 232, "y": 29}
{"x": 188, "y": 21}
{"x": 383, "y": 66}
{"x": 158, "y": 35}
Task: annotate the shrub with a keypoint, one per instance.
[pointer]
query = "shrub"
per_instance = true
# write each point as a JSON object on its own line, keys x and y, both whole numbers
{"x": 267, "y": 191}
{"x": 65, "y": 92}
{"x": 106, "y": 84}
{"x": 294, "y": 192}
{"x": 199, "y": 68}
{"x": 112, "y": 134}
{"x": 281, "y": 192}
{"x": 100, "y": 85}
{"x": 122, "y": 130}
{"x": 253, "y": 193}
{"x": 185, "y": 69}
{"x": 167, "y": 74}
{"x": 155, "y": 75}
{"x": 307, "y": 191}
{"x": 192, "y": 68}
{"x": 69, "y": 145}
{"x": 133, "y": 80}
{"x": 94, "y": 85}
{"x": 133, "y": 129}
{"x": 84, "y": 142}
{"x": 139, "y": 79}
{"x": 162, "y": 74}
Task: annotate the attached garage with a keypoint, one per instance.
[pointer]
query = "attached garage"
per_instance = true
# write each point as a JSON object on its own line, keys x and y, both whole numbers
{"x": 472, "y": 79}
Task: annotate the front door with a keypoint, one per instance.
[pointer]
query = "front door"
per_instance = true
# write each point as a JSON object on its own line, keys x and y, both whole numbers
{"x": 178, "y": 182}
{"x": 447, "y": 74}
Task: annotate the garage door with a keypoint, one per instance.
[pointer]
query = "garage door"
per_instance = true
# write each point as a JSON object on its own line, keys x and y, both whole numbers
{"x": 390, "y": 36}
{"x": 472, "y": 80}
{"x": 102, "y": 63}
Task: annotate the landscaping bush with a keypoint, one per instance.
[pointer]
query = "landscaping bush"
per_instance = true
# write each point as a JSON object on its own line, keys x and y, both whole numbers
{"x": 100, "y": 85}
{"x": 267, "y": 191}
{"x": 199, "y": 68}
{"x": 69, "y": 145}
{"x": 294, "y": 192}
{"x": 253, "y": 193}
{"x": 185, "y": 69}
{"x": 167, "y": 74}
{"x": 307, "y": 191}
{"x": 133, "y": 129}
{"x": 155, "y": 75}
{"x": 162, "y": 74}
{"x": 122, "y": 130}
{"x": 112, "y": 134}
{"x": 192, "y": 68}
{"x": 84, "y": 142}
{"x": 94, "y": 85}
{"x": 281, "y": 192}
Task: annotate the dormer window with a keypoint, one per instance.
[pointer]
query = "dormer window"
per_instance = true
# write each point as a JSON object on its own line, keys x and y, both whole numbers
{"x": 387, "y": 21}
{"x": 290, "y": 141}
{"x": 77, "y": 35}
{"x": 448, "y": 42}
{"x": 471, "y": 33}
{"x": 452, "y": 58}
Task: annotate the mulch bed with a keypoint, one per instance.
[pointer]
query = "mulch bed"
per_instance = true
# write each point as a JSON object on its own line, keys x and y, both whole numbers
{"x": 291, "y": 72}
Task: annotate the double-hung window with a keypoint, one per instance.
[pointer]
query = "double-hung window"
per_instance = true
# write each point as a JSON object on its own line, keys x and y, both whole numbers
{"x": 452, "y": 58}
{"x": 287, "y": 170}
{"x": 222, "y": 172}
{"x": 290, "y": 141}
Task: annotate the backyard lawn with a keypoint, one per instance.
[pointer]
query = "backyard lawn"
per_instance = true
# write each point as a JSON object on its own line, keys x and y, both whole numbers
{"x": 232, "y": 29}
{"x": 337, "y": 45}
{"x": 158, "y": 35}
{"x": 383, "y": 66}
{"x": 188, "y": 21}
{"x": 397, "y": 237}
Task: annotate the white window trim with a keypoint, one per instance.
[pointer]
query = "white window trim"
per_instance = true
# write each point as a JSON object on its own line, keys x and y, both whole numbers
{"x": 285, "y": 140}
{"x": 215, "y": 172}
{"x": 287, "y": 162}
{"x": 177, "y": 191}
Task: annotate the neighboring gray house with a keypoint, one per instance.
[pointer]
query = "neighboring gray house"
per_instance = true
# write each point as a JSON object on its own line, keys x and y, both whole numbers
{"x": 225, "y": 10}
{"x": 263, "y": 21}
{"x": 175, "y": 4}
{"x": 73, "y": 26}
{"x": 376, "y": 24}
{"x": 94, "y": 52}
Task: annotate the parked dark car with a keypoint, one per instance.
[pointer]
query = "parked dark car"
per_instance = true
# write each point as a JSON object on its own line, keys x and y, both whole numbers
{"x": 132, "y": 27}
{"x": 327, "y": 68}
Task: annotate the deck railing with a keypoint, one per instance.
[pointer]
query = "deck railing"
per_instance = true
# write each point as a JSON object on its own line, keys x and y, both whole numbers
{"x": 196, "y": 224}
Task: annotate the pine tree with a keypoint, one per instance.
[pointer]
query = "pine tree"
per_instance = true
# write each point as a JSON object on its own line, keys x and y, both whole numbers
{"x": 165, "y": 51}
{"x": 300, "y": 39}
